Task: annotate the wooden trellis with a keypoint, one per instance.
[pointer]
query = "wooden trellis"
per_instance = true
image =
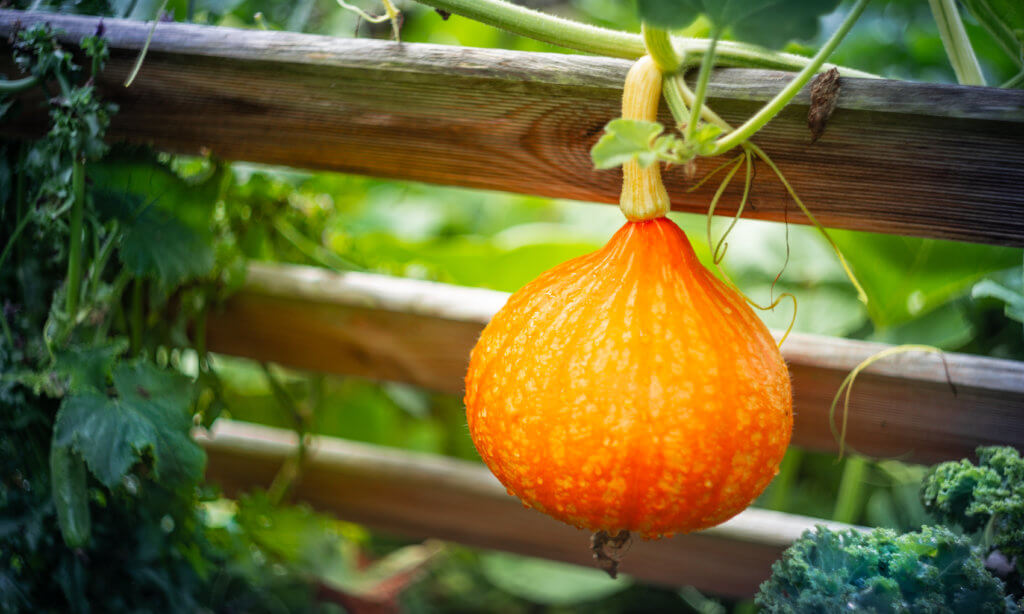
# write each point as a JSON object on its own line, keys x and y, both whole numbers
{"x": 914, "y": 159}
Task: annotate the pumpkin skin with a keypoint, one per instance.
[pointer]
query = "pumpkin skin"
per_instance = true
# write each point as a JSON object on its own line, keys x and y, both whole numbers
{"x": 629, "y": 389}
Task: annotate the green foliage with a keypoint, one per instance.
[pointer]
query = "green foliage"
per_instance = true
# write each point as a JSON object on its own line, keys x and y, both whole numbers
{"x": 932, "y": 570}
{"x": 154, "y": 540}
{"x": 95, "y": 443}
{"x": 1013, "y": 299}
{"x": 908, "y": 277}
{"x": 625, "y": 140}
{"x": 631, "y": 139}
{"x": 548, "y": 582}
{"x": 158, "y": 245}
{"x": 149, "y": 419}
{"x": 988, "y": 496}
{"x": 1004, "y": 20}
{"x": 771, "y": 24}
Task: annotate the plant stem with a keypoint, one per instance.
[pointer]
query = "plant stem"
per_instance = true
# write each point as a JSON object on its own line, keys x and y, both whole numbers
{"x": 702, "y": 85}
{"x": 775, "y": 105}
{"x": 99, "y": 262}
{"x": 680, "y": 97}
{"x": 782, "y": 485}
{"x": 200, "y": 337}
{"x": 291, "y": 471}
{"x": 17, "y": 85}
{"x": 602, "y": 41}
{"x": 1001, "y": 30}
{"x": 145, "y": 47}
{"x": 7, "y": 329}
{"x": 135, "y": 319}
{"x": 300, "y": 16}
{"x": 74, "y": 281}
{"x": 659, "y": 47}
{"x": 957, "y": 44}
{"x": 129, "y": 9}
{"x": 314, "y": 251}
{"x": 13, "y": 239}
{"x": 851, "y": 490}
{"x": 1014, "y": 81}
{"x": 643, "y": 194}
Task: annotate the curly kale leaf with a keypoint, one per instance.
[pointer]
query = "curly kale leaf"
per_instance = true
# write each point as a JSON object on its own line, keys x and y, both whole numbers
{"x": 933, "y": 570}
{"x": 989, "y": 495}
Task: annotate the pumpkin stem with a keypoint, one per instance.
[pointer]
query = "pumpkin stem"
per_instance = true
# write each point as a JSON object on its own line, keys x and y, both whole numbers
{"x": 643, "y": 193}
{"x": 609, "y": 549}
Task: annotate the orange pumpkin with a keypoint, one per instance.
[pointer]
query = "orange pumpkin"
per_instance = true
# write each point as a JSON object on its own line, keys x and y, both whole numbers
{"x": 629, "y": 389}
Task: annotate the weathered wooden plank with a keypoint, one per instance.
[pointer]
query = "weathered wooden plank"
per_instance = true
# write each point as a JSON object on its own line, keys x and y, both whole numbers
{"x": 422, "y": 495}
{"x": 422, "y": 332}
{"x": 915, "y": 159}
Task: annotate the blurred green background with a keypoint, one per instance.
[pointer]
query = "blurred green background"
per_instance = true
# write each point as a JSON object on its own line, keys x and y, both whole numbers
{"x": 950, "y": 295}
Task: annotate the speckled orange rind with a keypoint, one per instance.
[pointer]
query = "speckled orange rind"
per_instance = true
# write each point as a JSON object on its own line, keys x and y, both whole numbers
{"x": 630, "y": 389}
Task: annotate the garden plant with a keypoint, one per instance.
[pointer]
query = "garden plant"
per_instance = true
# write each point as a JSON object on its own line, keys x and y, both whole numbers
{"x": 631, "y": 389}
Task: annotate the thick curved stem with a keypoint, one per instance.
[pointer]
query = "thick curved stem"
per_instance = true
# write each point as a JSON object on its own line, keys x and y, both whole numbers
{"x": 643, "y": 192}
{"x": 660, "y": 48}
{"x": 775, "y": 105}
{"x": 957, "y": 44}
{"x": 17, "y": 85}
{"x": 602, "y": 41}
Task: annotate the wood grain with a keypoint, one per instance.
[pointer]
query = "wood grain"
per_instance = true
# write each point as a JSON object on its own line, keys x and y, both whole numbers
{"x": 422, "y": 332}
{"x": 421, "y": 495}
{"x": 907, "y": 158}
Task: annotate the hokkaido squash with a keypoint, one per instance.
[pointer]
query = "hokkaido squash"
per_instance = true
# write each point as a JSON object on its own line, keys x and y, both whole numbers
{"x": 629, "y": 389}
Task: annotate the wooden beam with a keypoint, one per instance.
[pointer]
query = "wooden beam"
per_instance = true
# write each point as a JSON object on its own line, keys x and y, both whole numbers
{"x": 907, "y": 158}
{"x": 422, "y": 332}
{"x": 422, "y": 495}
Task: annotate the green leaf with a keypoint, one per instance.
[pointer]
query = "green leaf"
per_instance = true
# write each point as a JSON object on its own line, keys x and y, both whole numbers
{"x": 1014, "y": 300}
{"x": 547, "y": 582}
{"x": 629, "y": 139}
{"x": 87, "y": 368}
{"x": 164, "y": 217}
{"x": 947, "y": 327}
{"x": 148, "y": 421}
{"x": 157, "y": 245}
{"x": 704, "y": 139}
{"x": 771, "y": 23}
{"x": 1004, "y": 19}
{"x": 906, "y": 277}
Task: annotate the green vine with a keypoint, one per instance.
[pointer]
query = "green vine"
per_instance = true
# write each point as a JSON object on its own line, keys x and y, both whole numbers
{"x": 602, "y": 41}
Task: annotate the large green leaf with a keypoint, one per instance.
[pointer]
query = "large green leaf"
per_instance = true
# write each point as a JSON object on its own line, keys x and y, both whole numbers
{"x": 87, "y": 368}
{"x": 548, "y": 582}
{"x": 1004, "y": 19}
{"x": 906, "y": 277}
{"x": 165, "y": 219}
{"x": 159, "y": 246}
{"x": 771, "y": 23}
{"x": 149, "y": 420}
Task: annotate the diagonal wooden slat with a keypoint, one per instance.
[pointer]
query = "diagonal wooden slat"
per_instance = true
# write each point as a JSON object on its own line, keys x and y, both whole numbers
{"x": 421, "y": 495}
{"x": 422, "y": 332}
{"x": 906, "y": 158}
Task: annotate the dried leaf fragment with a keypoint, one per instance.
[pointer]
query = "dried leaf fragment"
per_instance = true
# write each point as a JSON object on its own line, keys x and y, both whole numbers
{"x": 824, "y": 95}
{"x": 609, "y": 550}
